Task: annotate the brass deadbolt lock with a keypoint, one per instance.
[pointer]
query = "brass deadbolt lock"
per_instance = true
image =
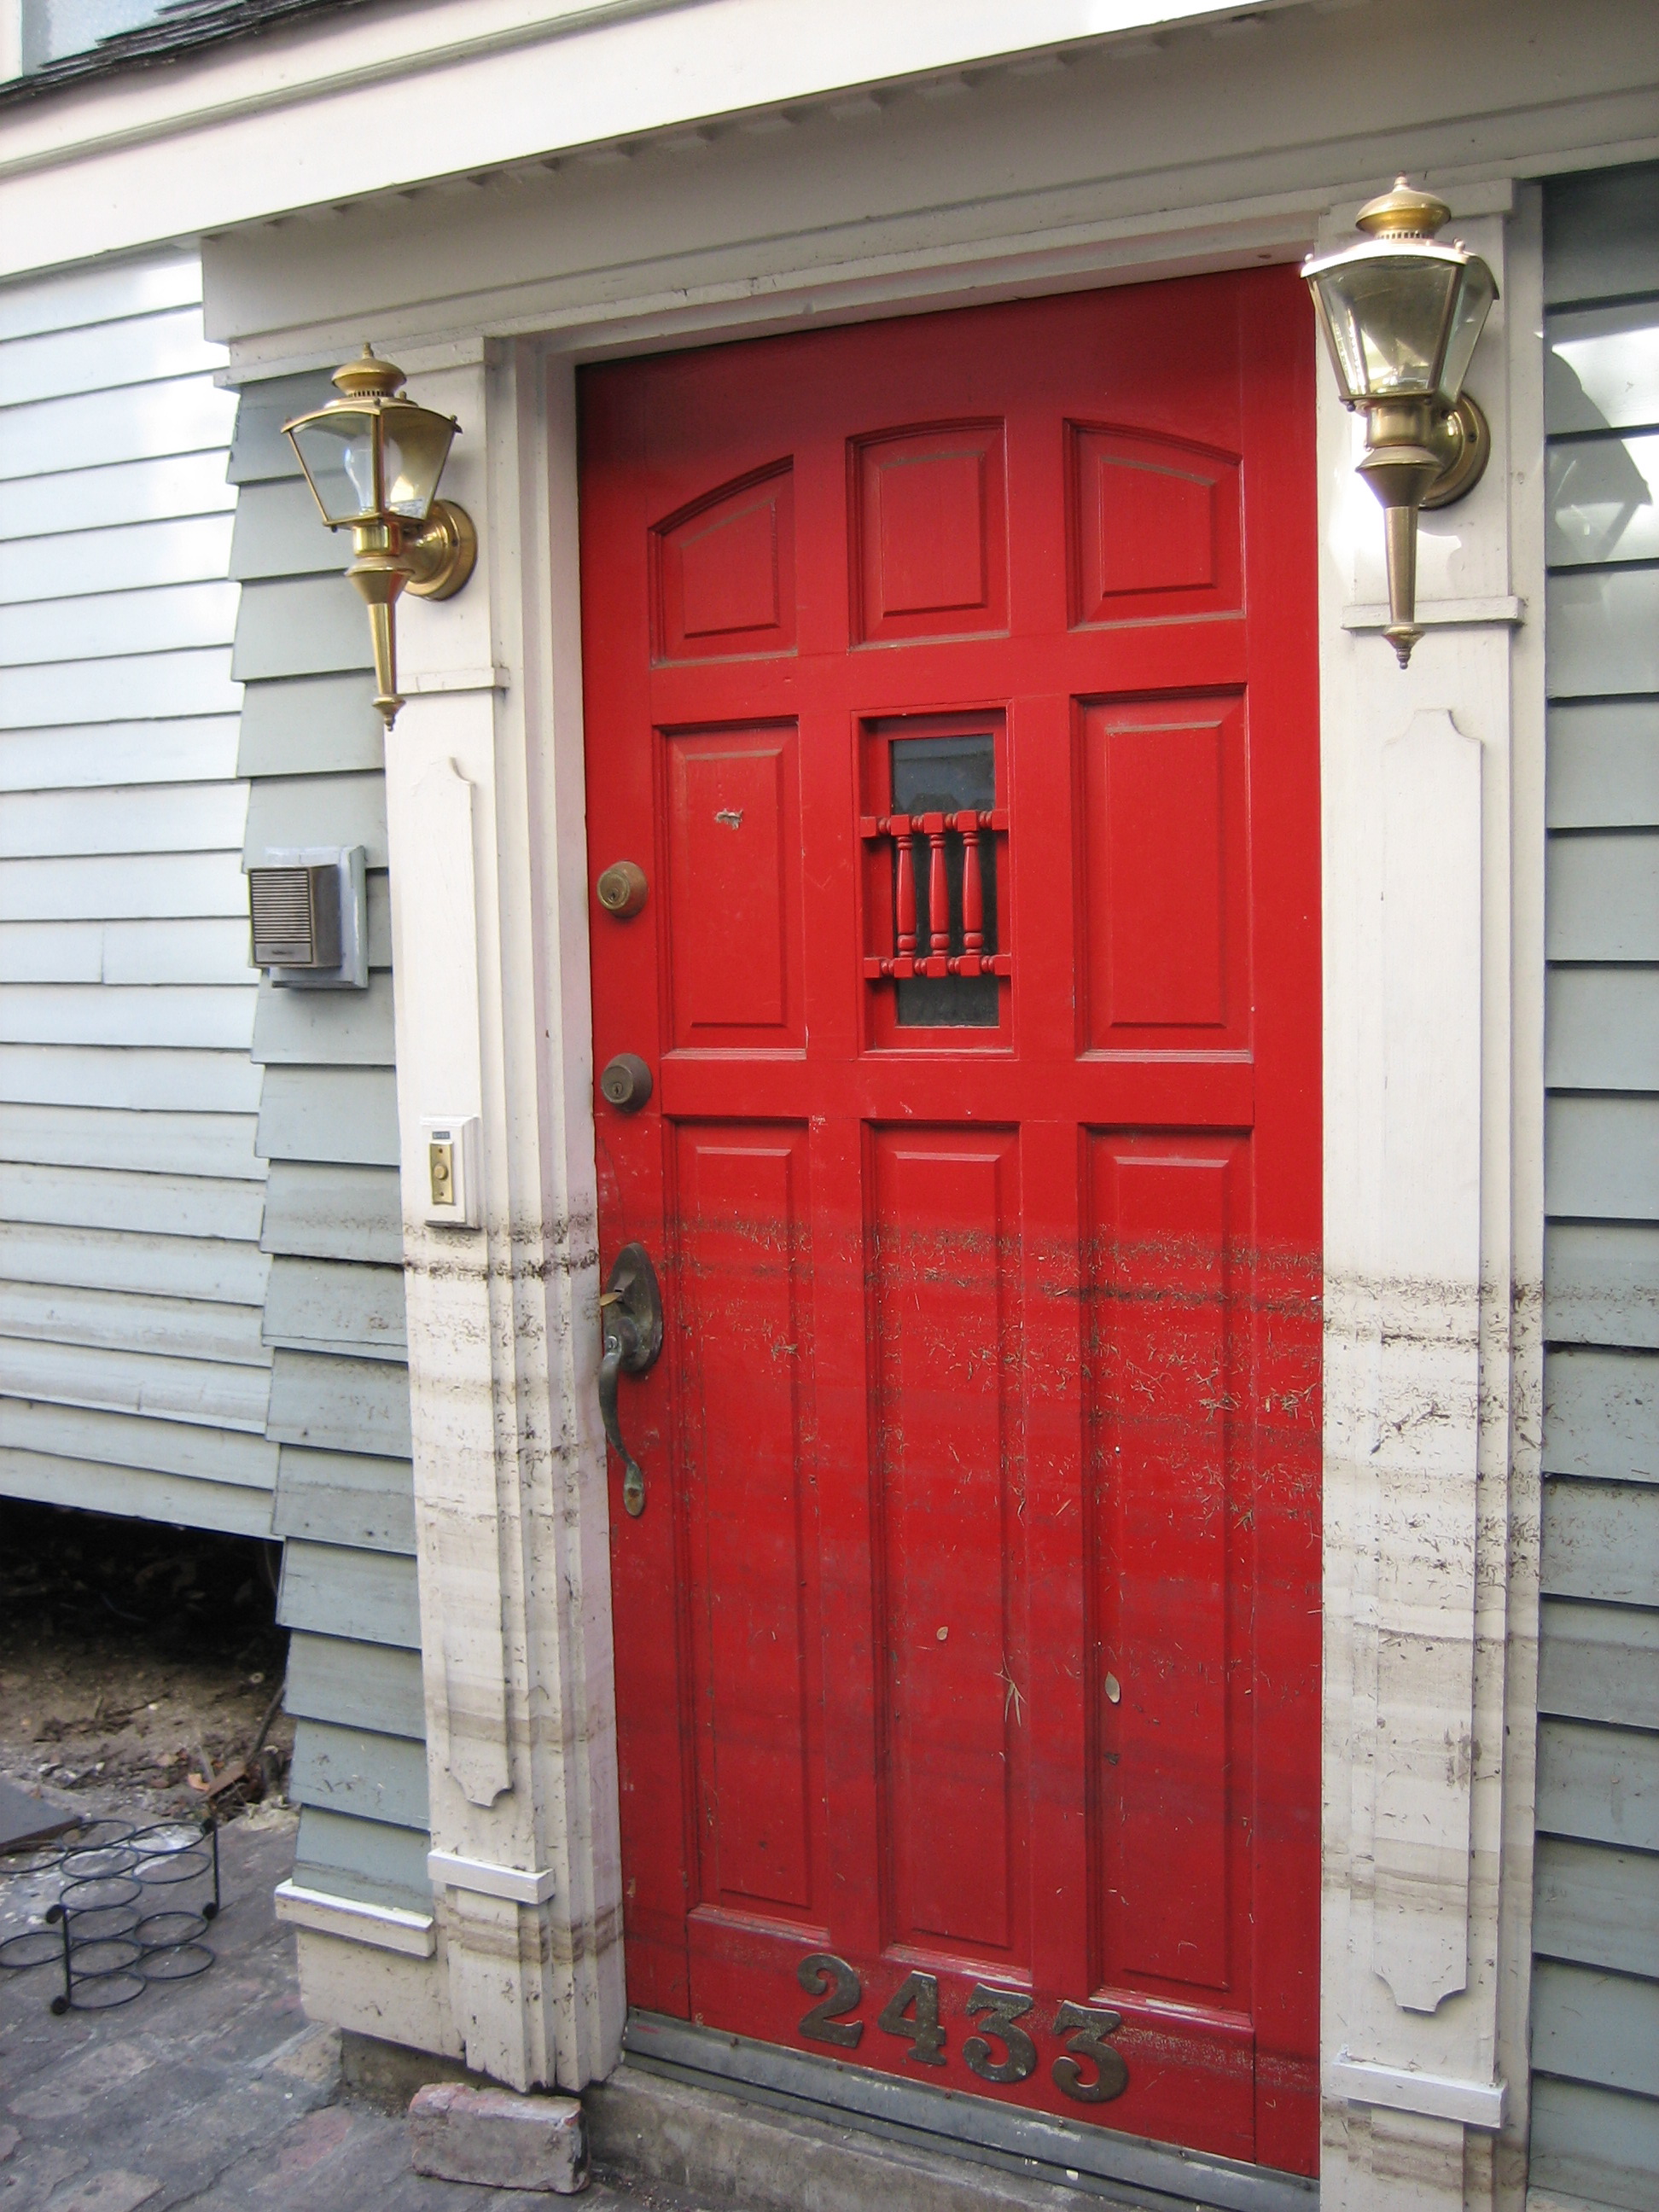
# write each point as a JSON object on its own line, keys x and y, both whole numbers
{"x": 626, "y": 1082}
{"x": 622, "y": 889}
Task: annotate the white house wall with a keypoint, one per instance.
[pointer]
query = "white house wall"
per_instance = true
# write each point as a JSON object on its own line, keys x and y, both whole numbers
{"x": 134, "y": 1378}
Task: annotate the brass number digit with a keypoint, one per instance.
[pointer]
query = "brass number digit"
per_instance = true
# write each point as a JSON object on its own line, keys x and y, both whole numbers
{"x": 1086, "y": 2032}
{"x": 838, "y": 1989}
{"x": 926, "y": 2037}
{"x": 1002, "y": 2008}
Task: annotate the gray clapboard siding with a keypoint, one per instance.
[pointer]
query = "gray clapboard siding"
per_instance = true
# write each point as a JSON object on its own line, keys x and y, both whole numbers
{"x": 1600, "y": 1783}
{"x": 157, "y": 1206}
{"x": 277, "y": 534}
{"x": 125, "y": 1440}
{"x": 129, "y": 887}
{"x": 369, "y": 1596}
{"x": 259, "y": 451}
{"x": 1598, "y": 1906}
{"x": 1590, "y": 2026}
{"x": 1601, "y": 1157}
{"x": 318, "y": 810}
{"x": 164, "y": 618}
{"x": 351, "y": 1498}
{"x": 1601, "y": 236}
{"x": 1602, "y": 896}
{"x": 313, "y": 725}
{"x": 369, "y": 1860}
{"x": 1596, "y": 2135}
{"x": 130, "y": 1076}
{"x": 177, "y": 682}
{"x": 1600, "y": 1663}
{"x": 104, "y": 498}
{"x": 202, "y": 747}
{"x": 357, "y": 1770}
{"x": 1601, "y": 1414}
{"x": 208, "y": 950}
{"x": 300, "y": 626}
{"x": 1602, "y": 767}
{"x": 314, "y": 749}
{"x": 200, "y": 817}
{"x": 344, "y": 1113}
{"x": 217, "y": 1394}
{"x": 135, "y": 1493}
{"x": 103, "y": 1137}
{"x": 105, "y": 295}
{"x": 156, "y": 1014}
{"x": 320, "y": 1305}
{"x": 320, "y": 1210}
{"x": 337, "y": 1404}
{"x": 363, "y": 1685}
{"x": 140, "y": 422}
{"x": 132, "y": 349}
{"x": 123, "y": 1320}
{"x": 1602, "y": 1283}
{"x": 298, "y": 1028}
{"x": 1601, "y": 1540}
{"x": 78, "y": 563}
{"x": 1595, "y": 2145}
{"x": 216, "y": 1269}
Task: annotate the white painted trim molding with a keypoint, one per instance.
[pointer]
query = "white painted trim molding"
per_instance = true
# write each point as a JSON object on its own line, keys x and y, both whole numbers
{"x": 1505, "y": 611}
{"x": 1402, "y": 2089}
{"x": 426, "y": 681}
{"x": 483, "y": 1879}
{"x": 387, "y": 1927}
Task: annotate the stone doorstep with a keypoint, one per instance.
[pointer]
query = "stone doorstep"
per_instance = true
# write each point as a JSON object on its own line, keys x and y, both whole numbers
{"x": 497, "y": 2139}
{"x": 717, "y": 2149}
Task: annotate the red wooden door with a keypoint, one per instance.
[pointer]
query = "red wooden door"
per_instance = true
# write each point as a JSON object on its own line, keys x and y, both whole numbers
{"x": 952, "y": 680}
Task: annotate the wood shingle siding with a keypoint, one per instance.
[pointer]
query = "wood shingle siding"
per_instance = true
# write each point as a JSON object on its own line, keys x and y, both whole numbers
{"x": 134, "y": 1373}
{"x": 1595, "y": 1934}
{"x": 312, "y": 749}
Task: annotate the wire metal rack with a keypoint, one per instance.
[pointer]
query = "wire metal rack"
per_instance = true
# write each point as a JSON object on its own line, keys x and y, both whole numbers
{"x": 132, "y": 1909}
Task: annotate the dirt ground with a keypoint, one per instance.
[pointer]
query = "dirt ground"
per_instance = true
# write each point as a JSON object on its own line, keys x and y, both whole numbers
{"x": 130, "y": 1654}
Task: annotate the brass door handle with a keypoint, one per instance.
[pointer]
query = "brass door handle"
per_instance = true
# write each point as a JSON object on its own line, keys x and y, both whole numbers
{"x": 630, "y": 1318}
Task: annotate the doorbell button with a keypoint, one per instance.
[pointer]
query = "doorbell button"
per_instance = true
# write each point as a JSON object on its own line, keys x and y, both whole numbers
{"x": 449, "y": 1181}
{"x": 622, "y": 889}
{"x": 626, "y": 1082}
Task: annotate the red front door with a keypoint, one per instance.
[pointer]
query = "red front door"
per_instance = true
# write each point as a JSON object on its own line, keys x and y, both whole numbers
{"x": 953, "y": 682}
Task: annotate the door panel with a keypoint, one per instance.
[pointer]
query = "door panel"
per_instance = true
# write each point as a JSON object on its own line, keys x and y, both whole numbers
{"x": 953, "y": 681}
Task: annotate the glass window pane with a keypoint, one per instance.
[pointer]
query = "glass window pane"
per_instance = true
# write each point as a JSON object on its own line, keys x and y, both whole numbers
{"x": 1468, "y": 320}
{"x": 417, "y": 443}
{"x": 949, "y": 775}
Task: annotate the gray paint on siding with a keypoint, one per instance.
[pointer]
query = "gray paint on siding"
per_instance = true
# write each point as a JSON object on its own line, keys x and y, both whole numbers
{"x": 131, "y": 1195}
{"x": 1596, "y": 2031}
{"x": 313, "y": 749}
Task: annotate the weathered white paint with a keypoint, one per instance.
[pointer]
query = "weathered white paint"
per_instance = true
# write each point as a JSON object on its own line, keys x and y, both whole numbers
{"x": 513, "y": 1883}
{"x": 385, "y": 1927}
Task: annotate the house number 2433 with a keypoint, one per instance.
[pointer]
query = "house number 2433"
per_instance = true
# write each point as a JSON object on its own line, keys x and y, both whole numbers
{"x": 1088, "y": 2070}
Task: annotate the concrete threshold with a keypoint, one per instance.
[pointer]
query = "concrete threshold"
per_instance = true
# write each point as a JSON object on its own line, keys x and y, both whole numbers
{"x": 757, "y": 2152}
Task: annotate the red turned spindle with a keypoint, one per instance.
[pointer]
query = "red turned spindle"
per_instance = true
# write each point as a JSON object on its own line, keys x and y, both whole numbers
{"x": 973, "y": 886}
{"x": 939, "y": 891}
{"x": 905, "y": 895}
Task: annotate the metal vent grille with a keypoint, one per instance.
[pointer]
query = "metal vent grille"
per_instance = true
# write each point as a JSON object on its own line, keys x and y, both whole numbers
{"x": 296, "y": 917}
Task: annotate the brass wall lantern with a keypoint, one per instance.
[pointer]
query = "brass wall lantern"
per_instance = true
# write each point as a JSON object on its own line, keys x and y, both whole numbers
{"x": 373, "y": 460}
{"x": 1401, "y": 314}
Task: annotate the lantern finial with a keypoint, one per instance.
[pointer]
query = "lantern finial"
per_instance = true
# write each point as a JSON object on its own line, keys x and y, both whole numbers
{"x": 1402, "y": 213}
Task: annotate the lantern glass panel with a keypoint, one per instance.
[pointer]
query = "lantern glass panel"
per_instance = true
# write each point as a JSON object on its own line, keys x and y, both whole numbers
{"x": 1387, "y": 318}
{"x": 1474, "y": 300}
{"x": 337, "y": 451}
{"x": 417, "y": 443}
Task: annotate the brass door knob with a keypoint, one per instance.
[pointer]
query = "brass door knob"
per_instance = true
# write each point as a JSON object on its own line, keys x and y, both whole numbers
{"x": 622, "y": 889}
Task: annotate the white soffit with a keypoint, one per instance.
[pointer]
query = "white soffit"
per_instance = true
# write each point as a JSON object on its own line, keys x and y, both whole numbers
{"x": 372, "y": 101}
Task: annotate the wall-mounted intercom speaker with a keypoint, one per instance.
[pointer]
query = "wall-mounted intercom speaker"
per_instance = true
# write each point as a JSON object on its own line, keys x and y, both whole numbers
{"x": 310, "y": 911}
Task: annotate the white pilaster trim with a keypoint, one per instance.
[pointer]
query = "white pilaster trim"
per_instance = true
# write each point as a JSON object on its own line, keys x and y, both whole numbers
{"x": 514, "y": 1884}
{"x": 428, "y": 682}
{"x": 1403, "y": 2089}
{"x": 1502, "y": 610}
{"x": 386, "y": 1927}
